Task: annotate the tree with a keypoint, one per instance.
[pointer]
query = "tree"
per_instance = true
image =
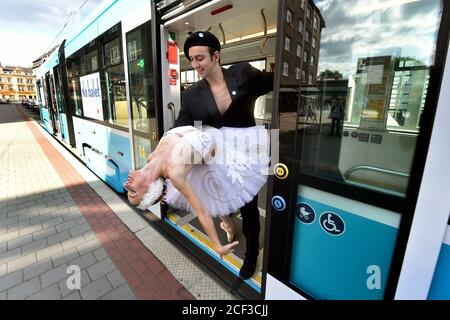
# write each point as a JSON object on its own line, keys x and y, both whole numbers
{"x": 328, "y": 74}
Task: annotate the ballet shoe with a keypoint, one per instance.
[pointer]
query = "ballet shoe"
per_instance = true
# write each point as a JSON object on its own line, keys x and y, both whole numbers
{"x": 230, "y": 233}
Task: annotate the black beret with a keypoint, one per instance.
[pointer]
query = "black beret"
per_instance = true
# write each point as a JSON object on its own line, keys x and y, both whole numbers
{"x": 201, "y": 38}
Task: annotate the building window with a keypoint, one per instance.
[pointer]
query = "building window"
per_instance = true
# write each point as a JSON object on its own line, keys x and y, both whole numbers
{"x": 285, "y": 69}
{"x": 313, "y": 42}
{"x": 307, "y": 36}
{"x": 297, "y": 73}
{"x": 310, "y": 79}
{"x": 303, "y": 75}
{"x": 305, "y": 57}
{"x": 303, "y": 4}
{"x": 308, "y": 13}
{"x": 312, "y": 61}
{"x": 315, "y": 24}
{"x": 112, "y": 52}
{"x": 299, "y": 50}
{"x": 300, "y": 26}
{"x": 92, "y": 61}
{"x": 288, "y": 16}
{"x": 287, "y": 44}
{"x": 132, "y": 51}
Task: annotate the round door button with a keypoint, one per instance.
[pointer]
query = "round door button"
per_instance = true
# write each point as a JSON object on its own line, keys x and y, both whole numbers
{"x": 278, "y": 203}
{"x": 281, "y": 171}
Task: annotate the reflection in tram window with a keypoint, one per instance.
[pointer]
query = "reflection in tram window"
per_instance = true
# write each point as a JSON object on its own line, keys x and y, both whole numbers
{"x": 141, "y": 97}
{"x": 373, "y": 59}
{"x": 73, "y": 72}
{"x": 75, "y": 96}
{"x": 136, "y": 71}
{"x": 112, "y": 52}
{"x": 409, "y": 91}
{"x": 116, "y": 98}
{"x": 116, "y": 95}
{"x": 92, "y": 61}
{"x": 379, "y": 74}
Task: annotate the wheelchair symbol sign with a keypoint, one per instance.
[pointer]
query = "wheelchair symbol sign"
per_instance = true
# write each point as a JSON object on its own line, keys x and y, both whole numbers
{"x": 332, "y": 223}
{"x": 305, "y": 213}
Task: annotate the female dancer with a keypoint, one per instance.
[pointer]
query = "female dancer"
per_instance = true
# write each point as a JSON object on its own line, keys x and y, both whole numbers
{"x": 212, "y": 172}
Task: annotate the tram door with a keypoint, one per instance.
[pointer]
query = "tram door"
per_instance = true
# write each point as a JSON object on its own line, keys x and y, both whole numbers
{"x": 356, "y": 94}
{"x": 51, "y": 102}
{"x": 141, "y": 92}
{"x": 63, "y": 94}
{"x": 247, "y": 32}
{"x": 61, "y": 111}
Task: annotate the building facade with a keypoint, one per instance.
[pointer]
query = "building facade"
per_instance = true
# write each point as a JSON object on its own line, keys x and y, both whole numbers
{"x": 300, "y": 55}
{"x": 16, "y": 84}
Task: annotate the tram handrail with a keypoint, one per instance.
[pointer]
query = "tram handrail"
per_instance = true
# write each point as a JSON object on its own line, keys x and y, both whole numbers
{"x": 374, "y": 169}
{"x": 171, "y": 107}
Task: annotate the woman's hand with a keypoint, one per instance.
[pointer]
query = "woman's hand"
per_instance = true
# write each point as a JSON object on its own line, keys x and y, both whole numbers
{"x": 226, "y": 249}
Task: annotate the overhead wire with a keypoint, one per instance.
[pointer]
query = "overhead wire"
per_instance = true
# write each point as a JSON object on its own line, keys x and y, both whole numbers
{"x": 73, "y": 14}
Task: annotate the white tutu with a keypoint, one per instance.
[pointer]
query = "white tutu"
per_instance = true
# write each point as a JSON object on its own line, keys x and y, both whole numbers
{"x": 235, "y": 167}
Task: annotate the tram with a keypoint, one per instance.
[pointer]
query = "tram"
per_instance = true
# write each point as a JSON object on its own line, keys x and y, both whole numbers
{"x": 359, "y": 212}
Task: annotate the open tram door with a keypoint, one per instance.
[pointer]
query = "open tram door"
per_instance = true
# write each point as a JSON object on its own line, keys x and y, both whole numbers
{"x": 247, "y": 32}
{"x": 144, "y": 119}
{"x": 63, "y": 98}
{"x": 52, "y": 102}
{"x": 343, "y": 199}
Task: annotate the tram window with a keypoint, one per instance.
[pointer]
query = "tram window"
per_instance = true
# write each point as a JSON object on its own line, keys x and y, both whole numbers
{"x": 40, "y": 92}
{"x": 73, "y": 73}
{"x": 116, "y": 95}
{"x": 73, "y": 67}
{"x": 92, "y": 61}
{"x": 141, "y": 107}
{"x": 83, "y": 65}
{"x": 379, "y": 76}
{"x": 75, "y": 96}
{"x": 45, "y": 94}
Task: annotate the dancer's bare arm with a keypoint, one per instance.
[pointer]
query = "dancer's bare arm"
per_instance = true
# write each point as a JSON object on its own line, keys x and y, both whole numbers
{"x": 178, "y": 177}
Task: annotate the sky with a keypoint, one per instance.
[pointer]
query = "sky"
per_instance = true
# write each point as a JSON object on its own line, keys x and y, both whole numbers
{"x": 407, "y": 27}
{"x": 30, "y": 27}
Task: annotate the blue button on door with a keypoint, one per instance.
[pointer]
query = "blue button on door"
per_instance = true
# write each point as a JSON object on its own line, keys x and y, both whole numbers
{"x": 278, "y": 203}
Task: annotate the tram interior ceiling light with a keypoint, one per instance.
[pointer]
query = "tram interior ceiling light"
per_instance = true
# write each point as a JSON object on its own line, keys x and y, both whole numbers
{"x": 222, "y": 9}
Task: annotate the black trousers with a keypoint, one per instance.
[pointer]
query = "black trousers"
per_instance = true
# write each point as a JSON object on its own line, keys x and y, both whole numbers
{"x": 335, "y": 122}
{"x": 250, "y": 229}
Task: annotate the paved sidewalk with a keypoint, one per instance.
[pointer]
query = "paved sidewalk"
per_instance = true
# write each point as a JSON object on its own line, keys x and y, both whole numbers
{"x": 53, "y": 224}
